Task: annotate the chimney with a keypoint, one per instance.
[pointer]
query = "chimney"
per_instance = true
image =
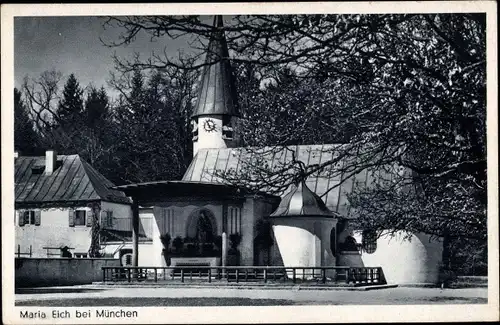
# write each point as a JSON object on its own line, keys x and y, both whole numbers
{"x": 50, "y": 161}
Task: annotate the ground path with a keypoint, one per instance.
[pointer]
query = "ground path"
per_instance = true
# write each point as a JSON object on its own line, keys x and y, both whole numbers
{"x": 191, "y": 296}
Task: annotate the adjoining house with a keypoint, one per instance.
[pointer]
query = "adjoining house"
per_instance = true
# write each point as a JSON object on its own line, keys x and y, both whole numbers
{"x": 202, "y": 221}
{"x": 56, "y": 199}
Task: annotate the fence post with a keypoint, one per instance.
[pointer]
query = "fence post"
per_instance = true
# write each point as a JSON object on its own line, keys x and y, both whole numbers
{"x": 237, "y": 271}
{"x": 209, "y": 275}
{"x": 18, "y": 250}
{"x": 31, "y": 250}
{"x": 129, "y": 271}
{"x": 293, "y": 275}
{"x": 103, "y": 274}
{"x": 323, "y": 274}
{"x": 347, "y": 275}
{"x": 182, "y": 275}
{"x": 156, "y": 274}
{"x": 265, "y": 275}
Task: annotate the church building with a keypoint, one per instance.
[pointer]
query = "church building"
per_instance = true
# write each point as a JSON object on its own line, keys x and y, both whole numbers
{"x": 201, "y": 220}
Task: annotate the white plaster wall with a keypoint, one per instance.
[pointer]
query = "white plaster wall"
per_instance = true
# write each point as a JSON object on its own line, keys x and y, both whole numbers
{"x": 212, "y": 139}
{"x": 209, "y": 139}
{"x": 413, "y": 261}
{"x": 146, "y": 251}
{"x": 304, "y": 241}
{"x": 53, "y": 231}
{"x": 155, "y": 257}
{"x": 295, "y": 244}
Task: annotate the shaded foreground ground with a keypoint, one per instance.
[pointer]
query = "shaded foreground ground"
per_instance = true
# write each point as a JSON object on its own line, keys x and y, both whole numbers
{"x": 119, "y": 296}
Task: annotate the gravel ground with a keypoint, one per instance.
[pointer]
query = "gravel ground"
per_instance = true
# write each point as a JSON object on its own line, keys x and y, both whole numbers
{"x": 92, "y": 296}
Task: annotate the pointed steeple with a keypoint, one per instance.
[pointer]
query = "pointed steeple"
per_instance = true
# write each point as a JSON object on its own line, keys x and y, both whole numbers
{"x": 217, "y": 89}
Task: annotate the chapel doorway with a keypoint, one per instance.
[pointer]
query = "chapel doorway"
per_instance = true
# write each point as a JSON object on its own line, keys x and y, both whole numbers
{"x": 201, "y": 237}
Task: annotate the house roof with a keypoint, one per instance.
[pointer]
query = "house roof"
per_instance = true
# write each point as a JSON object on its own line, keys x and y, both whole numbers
{"x": 209, "y": 163}
{"x": 73, "y": 180}
{"x": 217, "y": 92}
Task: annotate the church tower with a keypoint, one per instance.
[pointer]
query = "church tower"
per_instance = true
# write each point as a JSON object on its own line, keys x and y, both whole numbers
{"x": 214, "y": 115}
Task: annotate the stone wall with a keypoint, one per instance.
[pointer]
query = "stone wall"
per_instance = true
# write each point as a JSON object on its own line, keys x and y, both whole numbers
{"x": 35, "y": 272}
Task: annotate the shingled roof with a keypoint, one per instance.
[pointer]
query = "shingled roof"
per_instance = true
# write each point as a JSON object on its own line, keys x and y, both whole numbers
{"x": 209, "y": 162}
{"x": 74, "y": 180}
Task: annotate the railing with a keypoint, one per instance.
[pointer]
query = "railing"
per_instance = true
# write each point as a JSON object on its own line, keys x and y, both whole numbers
{"x": 50, "y": 250}
{"x": 366, "y": 275}
{"x": 19, "y": 253}
{"x": 275, "y": 274}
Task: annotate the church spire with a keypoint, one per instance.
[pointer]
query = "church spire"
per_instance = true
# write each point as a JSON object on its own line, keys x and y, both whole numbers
{"x": 217, "y": 89}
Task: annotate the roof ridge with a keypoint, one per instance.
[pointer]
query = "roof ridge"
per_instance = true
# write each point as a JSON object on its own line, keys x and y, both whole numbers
{"x": 98, "y": 182}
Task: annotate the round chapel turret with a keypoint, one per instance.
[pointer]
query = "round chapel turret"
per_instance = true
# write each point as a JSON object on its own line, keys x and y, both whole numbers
{"x": 302, "y": 225}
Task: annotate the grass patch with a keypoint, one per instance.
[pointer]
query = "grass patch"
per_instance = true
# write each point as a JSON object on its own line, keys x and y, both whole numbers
{"x": 465, "y": 300}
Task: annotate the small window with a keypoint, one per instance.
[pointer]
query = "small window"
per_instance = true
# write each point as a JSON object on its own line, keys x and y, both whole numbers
{"x": 369, "y": 241}
{"x": 30, "y": 217}
{"x": 194, "y": 130}
{"x": 80, "y": 217}
{"x": 109, "y": 219}
{"x": 128, "y": 259}
{"x": 227, "y": 129}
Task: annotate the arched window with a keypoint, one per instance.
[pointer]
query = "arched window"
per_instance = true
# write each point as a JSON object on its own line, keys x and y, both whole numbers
{"x": 369, "y": 241}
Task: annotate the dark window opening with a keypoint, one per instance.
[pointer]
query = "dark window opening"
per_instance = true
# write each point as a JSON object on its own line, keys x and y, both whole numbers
{"x": 30, "y": 218}
{"x": 227, "y": 128}
{"x": 369, "y": 241}
{"x": 80, "y": 217}
{"x": 194, "y": 130}
{"x": 350, "y": 245}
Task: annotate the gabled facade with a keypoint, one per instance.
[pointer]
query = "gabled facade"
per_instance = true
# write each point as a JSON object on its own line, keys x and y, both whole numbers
{"x": 56, "y": 199}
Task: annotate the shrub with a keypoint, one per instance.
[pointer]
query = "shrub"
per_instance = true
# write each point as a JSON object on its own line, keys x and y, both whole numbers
{"x": 165, "y": 240}
{"x": 178, "y": 243}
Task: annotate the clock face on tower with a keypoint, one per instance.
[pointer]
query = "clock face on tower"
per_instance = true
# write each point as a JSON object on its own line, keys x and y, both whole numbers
{"x": 209, "y": 125}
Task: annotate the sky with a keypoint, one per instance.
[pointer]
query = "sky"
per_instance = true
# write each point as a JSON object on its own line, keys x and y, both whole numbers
{"x": 72, "y": 45}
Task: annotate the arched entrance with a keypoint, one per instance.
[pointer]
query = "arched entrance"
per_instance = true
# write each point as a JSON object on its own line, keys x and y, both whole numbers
{"x": 202, "y": 226}
{"x": 201, "y": 233}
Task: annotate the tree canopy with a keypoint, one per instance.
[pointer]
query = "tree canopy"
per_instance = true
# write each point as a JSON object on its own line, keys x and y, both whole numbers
{"x": 406, "y": 90}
